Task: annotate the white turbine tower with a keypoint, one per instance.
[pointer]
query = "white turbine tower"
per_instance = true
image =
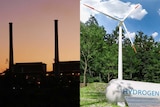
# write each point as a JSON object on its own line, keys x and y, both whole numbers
{"x": 121, "y": 23}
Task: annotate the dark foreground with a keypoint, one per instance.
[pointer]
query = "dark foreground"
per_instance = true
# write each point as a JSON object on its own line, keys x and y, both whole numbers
{"x": 51, "y": 92}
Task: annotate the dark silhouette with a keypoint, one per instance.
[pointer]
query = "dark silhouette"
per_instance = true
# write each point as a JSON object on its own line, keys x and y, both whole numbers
{"x": 30, "y": 85}
{"x": 11, "y": 60}
{"x": 56, "y": 68}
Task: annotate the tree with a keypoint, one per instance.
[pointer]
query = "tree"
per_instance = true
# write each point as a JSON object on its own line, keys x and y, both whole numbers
{"x": 142, "y": 66}
{"x": 99, "y": 54}
{"x": 111, "y": 57}
{"x": 91, "y": 44}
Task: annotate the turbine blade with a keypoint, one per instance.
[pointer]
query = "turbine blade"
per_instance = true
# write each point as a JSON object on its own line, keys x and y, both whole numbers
{"x": 101, "y": 12}
{"x": 132, "y": 45}
{"x": 127, "y": 33}
{"x": 134, "y": 48}
{"x": 131, "y": 12}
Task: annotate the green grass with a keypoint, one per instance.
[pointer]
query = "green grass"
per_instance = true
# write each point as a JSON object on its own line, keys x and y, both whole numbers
{"x": 93, "y": 95}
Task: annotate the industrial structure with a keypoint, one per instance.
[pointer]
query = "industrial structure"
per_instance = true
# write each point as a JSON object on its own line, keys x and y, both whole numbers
{"x": 34, "y": 86}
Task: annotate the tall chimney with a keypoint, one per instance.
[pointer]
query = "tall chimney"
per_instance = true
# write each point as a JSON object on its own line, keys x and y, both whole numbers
{"x": 56, "y": 65}
{"x": 11, "y": 60}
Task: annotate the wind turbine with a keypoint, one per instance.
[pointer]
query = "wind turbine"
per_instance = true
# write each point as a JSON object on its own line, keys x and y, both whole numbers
{"x": 121, "y": 23}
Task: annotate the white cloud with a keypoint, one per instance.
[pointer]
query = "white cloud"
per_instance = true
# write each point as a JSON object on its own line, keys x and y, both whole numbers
{"x": 155, "y": 34}
{"x": 114, "y": 8}
{"x": 132, "y": 35}
{"x": 158, "y": 11}
{"x": 139, "y": 13}
{"x": 85, "y": 12}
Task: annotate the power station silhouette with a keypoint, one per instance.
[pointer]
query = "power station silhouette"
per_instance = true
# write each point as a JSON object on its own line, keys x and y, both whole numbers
{"x": 30, "y": 85}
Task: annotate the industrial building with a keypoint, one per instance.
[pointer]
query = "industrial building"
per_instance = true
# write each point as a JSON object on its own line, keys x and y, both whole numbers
{"x": 34, "y": 86}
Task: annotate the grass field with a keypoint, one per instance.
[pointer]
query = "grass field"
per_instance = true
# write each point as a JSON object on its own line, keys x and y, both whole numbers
{"x": 93, "y": 95}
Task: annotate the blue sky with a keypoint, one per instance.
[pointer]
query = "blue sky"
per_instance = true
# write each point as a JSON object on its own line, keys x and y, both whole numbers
{"x": 145, "y": 18}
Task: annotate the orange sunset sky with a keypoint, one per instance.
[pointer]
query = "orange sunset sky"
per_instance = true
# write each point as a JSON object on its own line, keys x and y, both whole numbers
{"x": 33, "y": 30}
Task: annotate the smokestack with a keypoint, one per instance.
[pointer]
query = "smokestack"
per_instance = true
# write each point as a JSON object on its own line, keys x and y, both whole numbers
{"x": 56, "y": 65}
{"x": 11, "y": 61}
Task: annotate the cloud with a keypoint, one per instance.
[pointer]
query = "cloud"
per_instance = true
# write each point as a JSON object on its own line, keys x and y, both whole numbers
{"x": 132, "y": 35}
{"x": 158, "y": 11}
{"x": 155, "y": 34}
{"x": 85, "y": 12}
{"x": 139, "y": 13}
{"x": 114, "y": 8}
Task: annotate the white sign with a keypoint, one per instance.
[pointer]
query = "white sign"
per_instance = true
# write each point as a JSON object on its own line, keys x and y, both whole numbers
{"x": 118, "y": 89}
